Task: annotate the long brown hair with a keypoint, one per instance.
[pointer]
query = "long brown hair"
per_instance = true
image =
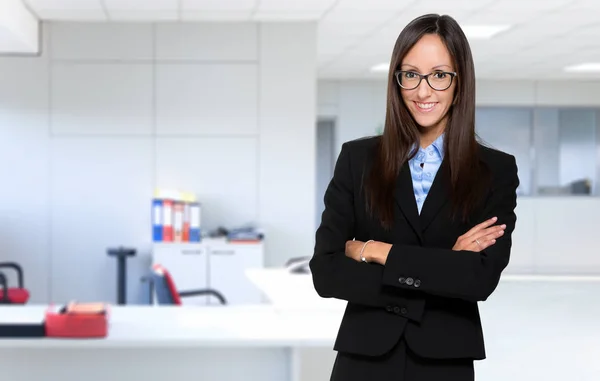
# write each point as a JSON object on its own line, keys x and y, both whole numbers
{"x": 401, "y": 133}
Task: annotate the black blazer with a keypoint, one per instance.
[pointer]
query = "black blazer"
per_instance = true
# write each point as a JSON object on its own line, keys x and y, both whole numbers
{"x": 426, "y": 291}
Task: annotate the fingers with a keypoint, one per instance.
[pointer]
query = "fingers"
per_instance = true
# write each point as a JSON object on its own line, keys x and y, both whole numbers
{"x": 477, "y": 228}
{"x": 489, "y": 233}
{"x": 486, "y": 238}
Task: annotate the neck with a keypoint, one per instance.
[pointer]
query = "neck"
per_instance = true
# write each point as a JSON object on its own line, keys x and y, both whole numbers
{"x": 429, "y": 134}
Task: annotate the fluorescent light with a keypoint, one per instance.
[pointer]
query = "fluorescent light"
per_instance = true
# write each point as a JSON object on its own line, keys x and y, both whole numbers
{"x": 588, "y": 67}
{"x": 382, "y": 67}
{"x": 483, "y": 31}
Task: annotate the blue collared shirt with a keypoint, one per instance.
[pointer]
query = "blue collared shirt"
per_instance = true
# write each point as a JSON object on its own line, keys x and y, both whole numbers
{"x": 422, "y": 177}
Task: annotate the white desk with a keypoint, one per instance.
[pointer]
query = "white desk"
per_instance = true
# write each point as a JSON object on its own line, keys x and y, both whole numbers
{"x": 162, "y": 343}
{"x": 536, "y": 328}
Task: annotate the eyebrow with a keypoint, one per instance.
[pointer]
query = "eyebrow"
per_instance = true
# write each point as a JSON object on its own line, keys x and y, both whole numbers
{"x": 433, "y": 68}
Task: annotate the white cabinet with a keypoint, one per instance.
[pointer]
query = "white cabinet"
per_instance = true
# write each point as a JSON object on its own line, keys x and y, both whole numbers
{"x": 227, "y": 265}
{"x": 215, "y": 264}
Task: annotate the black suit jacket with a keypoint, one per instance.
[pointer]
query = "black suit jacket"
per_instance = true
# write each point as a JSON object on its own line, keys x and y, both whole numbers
{"x": 426, "y": 291}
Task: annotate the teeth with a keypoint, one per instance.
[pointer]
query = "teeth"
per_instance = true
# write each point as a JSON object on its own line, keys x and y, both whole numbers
{"x": 425, "y": 105}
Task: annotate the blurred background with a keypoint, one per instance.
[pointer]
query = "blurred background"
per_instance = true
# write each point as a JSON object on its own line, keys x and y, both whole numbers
{"x": 105, "y": 105}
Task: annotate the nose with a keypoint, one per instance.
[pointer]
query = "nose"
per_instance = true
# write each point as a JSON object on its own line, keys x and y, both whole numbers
{"x": 424, "y": 90}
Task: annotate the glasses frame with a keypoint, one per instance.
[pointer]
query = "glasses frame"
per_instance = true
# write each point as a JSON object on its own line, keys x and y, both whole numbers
{"x": 452, "y": 75}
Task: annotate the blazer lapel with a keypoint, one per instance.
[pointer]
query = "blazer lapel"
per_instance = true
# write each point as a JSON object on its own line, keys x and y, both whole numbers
{"x": 405, "y": 197}
{"x": 436, "y": 198}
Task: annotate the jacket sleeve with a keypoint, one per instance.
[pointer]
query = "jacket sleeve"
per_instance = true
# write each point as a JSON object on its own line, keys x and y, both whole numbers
{"x": 463, "y": 274}
{"x": 335, "y": 275}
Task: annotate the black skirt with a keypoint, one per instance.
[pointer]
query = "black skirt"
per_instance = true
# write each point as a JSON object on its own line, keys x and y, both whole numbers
{"x": 400, "y": 364}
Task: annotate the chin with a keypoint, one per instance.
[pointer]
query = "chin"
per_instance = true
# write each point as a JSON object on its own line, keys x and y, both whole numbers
{"x": 427, "y": 122}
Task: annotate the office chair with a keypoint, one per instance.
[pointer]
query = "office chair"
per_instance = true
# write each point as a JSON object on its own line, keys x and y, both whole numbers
{"x": 12, "y": 295}
{"x": 298, "y": 265}
{"x": 161, "y": 282}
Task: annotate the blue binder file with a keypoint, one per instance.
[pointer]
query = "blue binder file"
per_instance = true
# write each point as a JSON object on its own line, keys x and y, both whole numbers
{"x": 157, "y": 220}
{"x": 194, "y": 222}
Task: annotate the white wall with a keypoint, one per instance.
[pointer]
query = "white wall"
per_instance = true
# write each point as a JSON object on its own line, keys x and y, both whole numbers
{"x": 111, "y": 111}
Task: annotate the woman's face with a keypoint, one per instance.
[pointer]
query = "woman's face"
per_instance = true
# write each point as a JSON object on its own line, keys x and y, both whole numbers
{"x": 428, "y": 107}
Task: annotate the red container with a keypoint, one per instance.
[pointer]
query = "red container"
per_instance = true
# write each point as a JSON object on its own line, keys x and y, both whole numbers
{"x": 74, "y": 324}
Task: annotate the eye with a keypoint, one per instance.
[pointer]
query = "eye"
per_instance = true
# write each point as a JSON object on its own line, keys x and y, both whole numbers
{"x": 440, "y": 75}
{"x": 409, "y": 74}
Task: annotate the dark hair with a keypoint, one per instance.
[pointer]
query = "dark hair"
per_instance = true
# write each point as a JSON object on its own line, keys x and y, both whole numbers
{"x": 400, "y": 134}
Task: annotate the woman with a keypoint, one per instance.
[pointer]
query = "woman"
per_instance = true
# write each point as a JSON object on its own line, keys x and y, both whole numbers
{"x": 417, "y": 222}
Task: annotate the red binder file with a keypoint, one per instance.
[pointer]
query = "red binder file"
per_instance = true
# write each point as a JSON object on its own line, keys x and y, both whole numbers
{"x": 167, "y": 220}
{"x": 178, "y": 221}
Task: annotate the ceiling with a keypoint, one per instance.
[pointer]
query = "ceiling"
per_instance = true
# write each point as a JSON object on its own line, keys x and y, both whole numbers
{"x": 354, "y": 35}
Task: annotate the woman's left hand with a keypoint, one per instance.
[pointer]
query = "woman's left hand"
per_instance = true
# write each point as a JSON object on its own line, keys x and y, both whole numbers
{"x": 375, "y": 251}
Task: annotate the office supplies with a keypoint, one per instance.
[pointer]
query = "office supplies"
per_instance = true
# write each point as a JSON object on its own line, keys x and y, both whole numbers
{"x": 157, "y": 220}
{"x": 195, "y": 233}
{"x": 167, "y": 220}
{"x": 177, "y": 221}
{"x": 75, "y": 320}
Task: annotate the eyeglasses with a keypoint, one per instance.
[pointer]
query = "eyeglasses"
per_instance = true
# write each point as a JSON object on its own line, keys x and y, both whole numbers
{"x": 437, "y": 80}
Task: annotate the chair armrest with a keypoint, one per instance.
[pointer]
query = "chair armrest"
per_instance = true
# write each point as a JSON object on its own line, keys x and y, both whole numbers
{"x": 214, "y": 293}
{"x": 17, "y": 268}
{"x": 4, "y": 286}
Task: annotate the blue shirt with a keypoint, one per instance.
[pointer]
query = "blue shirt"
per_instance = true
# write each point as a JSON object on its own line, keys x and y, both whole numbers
{"x": 422, "y": 177}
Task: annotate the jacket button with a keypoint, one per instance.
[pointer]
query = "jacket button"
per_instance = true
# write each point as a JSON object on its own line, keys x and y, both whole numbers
{"x": 403, "y": 310}
{"x": 417, "y": 283}
{"x": 402, "y": 280}
{"x": 409, "y": 281}
{"x": 396, "y": 310}
{"x": 389, "y": 308}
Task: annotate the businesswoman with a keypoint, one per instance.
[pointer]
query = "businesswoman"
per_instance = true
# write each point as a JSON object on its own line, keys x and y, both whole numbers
{"x": 417, "y": 222}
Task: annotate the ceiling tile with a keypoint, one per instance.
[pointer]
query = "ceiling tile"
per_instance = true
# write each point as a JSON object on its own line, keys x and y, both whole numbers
{"x": 142, "y": 5}
{"x": 146, "y": 15}
{"x": 448, "y": 7}
{"x": 497, "y": 17}
{"x": 216, "y": 15}
{"x": 64, "y": 4}
{"x": 72, "y": 14}
{"x": 372, "y": 5}
{"x": 218, "y": 5}
{"x": 534, "y": 6}
{"x": 352, "y": 22}
{"x": 313, "y": 15}
{"x": 295, "y": 5}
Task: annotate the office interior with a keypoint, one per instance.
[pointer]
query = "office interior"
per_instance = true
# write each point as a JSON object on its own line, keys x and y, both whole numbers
{"x": 241, "y": 107}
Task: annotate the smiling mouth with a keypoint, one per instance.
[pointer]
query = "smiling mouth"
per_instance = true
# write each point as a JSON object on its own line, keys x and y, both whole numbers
{"x": 425, "y": 107}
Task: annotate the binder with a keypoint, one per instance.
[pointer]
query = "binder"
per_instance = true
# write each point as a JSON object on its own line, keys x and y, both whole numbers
{"x": 167, "y": 220}
{"x": 186, "y": 222}
{"x": 195, "y": 222}
{"x": 157, "y": 220}
{"x": 178, "y": 221}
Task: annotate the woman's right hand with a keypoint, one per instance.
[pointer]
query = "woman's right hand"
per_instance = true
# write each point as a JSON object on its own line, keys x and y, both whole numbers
{"x": 480, "y": 237}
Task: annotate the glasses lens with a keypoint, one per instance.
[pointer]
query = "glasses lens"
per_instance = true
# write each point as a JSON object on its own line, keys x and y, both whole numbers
{"x": 440, "y": 80}
{"x": 408, "y": 79}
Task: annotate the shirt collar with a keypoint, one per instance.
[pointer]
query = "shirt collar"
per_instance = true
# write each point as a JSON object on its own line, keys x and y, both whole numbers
{"x": 438, "y": 145}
